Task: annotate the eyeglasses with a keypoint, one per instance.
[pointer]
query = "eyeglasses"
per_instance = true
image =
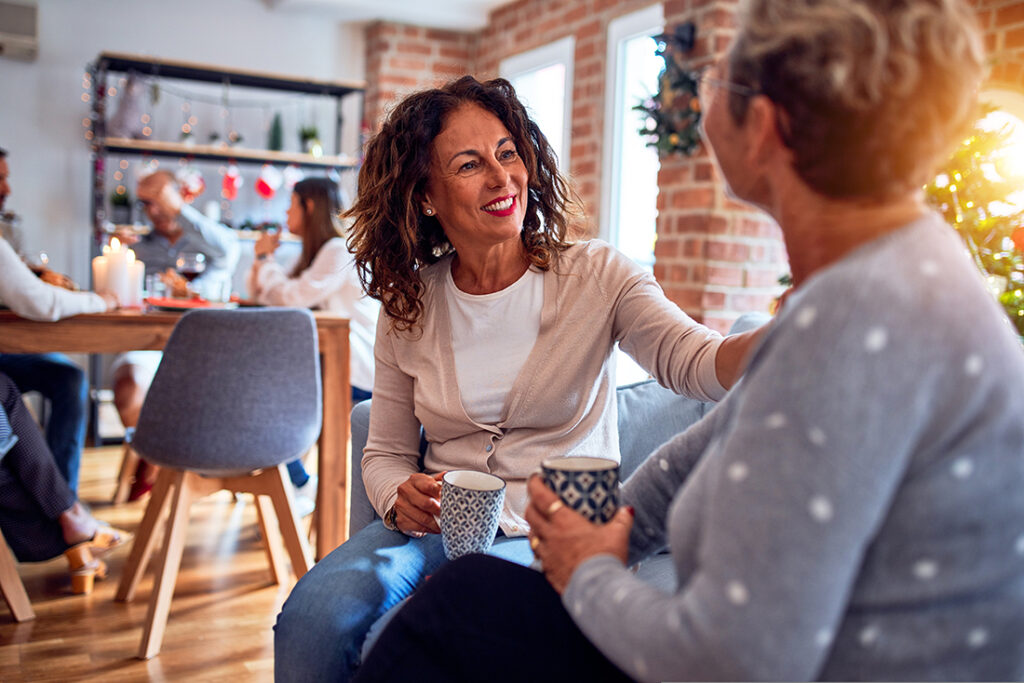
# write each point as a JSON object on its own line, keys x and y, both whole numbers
{"x": 707, "y": 77}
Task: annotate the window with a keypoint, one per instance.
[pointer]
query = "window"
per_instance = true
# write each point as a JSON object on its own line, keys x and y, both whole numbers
{"x": 1008, "y": 116}
{"x": 629, "y": 178}
{"x": 536, "y": 76}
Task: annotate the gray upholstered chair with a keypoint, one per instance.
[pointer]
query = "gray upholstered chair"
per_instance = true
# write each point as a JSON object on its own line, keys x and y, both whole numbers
{"x": 236, "y": 396}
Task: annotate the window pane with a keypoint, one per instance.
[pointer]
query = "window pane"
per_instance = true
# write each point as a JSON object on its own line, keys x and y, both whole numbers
{"x": 535, "y": 89}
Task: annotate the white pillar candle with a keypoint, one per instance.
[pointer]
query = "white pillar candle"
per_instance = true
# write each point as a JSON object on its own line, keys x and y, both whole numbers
{"x": 99, "y": 272}
{"x": 117, "y": 270}
{"x": 136, "y": 277}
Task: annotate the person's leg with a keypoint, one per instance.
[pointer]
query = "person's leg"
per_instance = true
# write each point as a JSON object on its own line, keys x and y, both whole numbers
{"x": 481, "y": 618}
{"x": 62, "y": 383}
{"x": 132, "y": 373}
{"x": 321, "y": 627}
{"x": 516, "y": 549}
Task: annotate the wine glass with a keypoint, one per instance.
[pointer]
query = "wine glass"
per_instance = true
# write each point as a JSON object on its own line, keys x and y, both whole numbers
{"x": 190, "y": 265}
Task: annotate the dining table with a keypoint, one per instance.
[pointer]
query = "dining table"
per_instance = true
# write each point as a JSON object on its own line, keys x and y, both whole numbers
{"x": 135, "y": 330}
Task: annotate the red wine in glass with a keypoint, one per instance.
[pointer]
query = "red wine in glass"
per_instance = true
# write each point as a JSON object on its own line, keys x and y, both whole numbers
{"x": 191, "y": 265}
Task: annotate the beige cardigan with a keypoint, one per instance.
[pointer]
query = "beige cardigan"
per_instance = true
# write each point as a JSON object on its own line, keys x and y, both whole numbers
{"x": 563, "y": 400}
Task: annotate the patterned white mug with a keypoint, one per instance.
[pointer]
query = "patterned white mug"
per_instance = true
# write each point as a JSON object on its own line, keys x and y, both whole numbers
{"x": 471, "y": 504}
{"x": 590, "y": 486}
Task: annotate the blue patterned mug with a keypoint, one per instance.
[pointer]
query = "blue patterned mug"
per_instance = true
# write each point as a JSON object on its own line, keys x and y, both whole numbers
{"x": 590, "y": 486}
{"x": 471, "y": 504}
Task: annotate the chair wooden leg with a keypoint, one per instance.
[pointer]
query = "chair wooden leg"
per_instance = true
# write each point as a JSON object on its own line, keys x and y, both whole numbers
{"x": 12, "y": 587}
{"x": 170, "y": 562}
{"x": 294, "y": 540}
{"x": 145, "y": 537}
{"x": 271, "y": 539}
{"x": 129, "y": 462}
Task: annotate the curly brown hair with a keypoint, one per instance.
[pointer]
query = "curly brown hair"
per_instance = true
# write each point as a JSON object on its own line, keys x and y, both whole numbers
{"x": 390, "y": 236}
{"x": 873, "y": 93}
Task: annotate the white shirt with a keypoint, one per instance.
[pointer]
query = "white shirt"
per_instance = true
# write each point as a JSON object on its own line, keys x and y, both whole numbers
{"x": 28, "y": 296}
{"x": 329, "y": 284}
{"x": 509, "y": 321}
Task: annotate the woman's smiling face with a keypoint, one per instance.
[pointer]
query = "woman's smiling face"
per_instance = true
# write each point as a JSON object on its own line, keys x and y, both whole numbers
{"x": 478, "y": 183}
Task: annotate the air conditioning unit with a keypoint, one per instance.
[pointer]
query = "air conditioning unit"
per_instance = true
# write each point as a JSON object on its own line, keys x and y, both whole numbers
{"x": 19, "y": 29}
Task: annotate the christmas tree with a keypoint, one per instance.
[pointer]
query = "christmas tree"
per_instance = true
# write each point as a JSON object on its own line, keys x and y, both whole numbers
{"x": 972, "y": 192}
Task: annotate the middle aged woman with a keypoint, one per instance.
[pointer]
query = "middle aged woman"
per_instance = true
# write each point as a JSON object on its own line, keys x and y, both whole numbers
{"x": 324, "y": 278}
{"x": 497, "y": 337}
{"x": 853, "y": 510}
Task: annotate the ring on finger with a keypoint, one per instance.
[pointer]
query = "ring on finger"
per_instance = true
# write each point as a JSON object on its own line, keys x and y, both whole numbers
{"x": 534, "y": 542}
{"x": 554, "y": 507}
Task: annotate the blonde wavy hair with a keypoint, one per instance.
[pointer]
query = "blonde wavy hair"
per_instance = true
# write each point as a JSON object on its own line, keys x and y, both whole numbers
{"x": 873, "y": 93}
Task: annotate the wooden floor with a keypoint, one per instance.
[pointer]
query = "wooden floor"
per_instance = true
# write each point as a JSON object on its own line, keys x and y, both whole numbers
{"x": 220, "y": 627}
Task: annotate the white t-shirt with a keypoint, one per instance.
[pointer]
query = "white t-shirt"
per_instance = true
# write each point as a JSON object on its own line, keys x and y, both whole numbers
{"x": 492, "y": 335}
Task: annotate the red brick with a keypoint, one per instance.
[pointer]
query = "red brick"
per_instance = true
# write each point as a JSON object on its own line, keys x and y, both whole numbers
{"x": 693, "y": 223}
{"x": 448, "y": 69}
{"x": 713, "y": 300}
{"x": 659, "y": 272}
{"x": 686, "y": 298}
{"x": 675, "y": 174}
{"x": 413, "y": 48}
{"x": 751, "y": 302}
{"x": 757, "y": 227}
{"x": 1014, "y": 39}
{"x": 718, "y": 225}
{"x": 693, "y": 197}
{"x": 693, "y": 247}
{"x": 590, "y": 29}
{"x": 678, "y": 273}
{"x": 442, "y": 36}
{"x": 724, "y": 250}
{"x": 460, "y": 54}
{"x": 763, "y": 277}
{"x": 730, "y": 276}
{"x": 666, "y": 248}
{"x": 405, "y": 64}
{"x": 703, "y": 170}
{"x": 1011, "y": 14}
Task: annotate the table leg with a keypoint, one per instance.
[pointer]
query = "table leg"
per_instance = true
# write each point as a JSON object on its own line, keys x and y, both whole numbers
{"x": 333, "y": 497}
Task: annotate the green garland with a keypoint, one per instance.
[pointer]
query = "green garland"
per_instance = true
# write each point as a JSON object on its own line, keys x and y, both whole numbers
{"x": 672, "y": 121}
{"x": 967, "y": 193}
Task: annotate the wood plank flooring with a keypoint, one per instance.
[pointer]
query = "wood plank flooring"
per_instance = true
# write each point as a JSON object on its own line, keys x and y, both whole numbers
{"x": 220, "y": 627}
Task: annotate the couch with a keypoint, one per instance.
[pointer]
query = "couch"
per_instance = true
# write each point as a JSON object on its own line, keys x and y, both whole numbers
{"x": 649, "y": 415}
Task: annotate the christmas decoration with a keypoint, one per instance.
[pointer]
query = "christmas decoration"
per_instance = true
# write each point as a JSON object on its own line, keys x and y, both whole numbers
{"x": 268, "y": 181}
{"x": 230, "y": 183}
{"x": 673, "y": 114}
{"x": 191, "y": 182}
{"x": 972, "y": 193}
{"x": 292, "y": 175}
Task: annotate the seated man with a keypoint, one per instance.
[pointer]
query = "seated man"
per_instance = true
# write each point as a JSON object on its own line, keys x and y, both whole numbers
{"x": 54, "y": 375}
{"x": 178, "y": 228}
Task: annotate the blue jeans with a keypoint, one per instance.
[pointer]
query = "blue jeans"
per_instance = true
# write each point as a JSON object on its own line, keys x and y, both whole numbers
{"x": 322, "y": 626}
{"x": 62, "y": 383}
{"x": 296, "y": 470}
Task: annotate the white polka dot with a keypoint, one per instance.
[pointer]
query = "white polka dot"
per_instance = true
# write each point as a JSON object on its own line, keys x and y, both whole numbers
{"x": 620, "y": 595}
{"x": 876, "y": 339}
{"x": 820, "y": 508}
{"x": 663, "y": 463}
{"x": 823, "y": 638}
{"x": 1019, "y": 545}
{"x": 805, "y": 316}
{"x": 868, "y": 636}
{"x": 925, "y": 570}
{"x": 973, "y": 365}
{"x": 817, "y": 436}
{"x": 738, "y": 471}
{"x": 737, "y": 593}
{"x": 775, "y": 421}
{"x": 962, "y": 468}
{"x": 929, "y": 268}
{"x": 977, "y": 637}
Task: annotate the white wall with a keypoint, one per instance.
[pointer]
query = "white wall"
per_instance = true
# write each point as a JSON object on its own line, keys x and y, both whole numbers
{"x": 41, "y": 110}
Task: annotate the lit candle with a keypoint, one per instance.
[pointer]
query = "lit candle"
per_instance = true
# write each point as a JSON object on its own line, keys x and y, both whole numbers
{"x": 136, "y": 276}
{"x": 99, "y": 271}
{"x": 117, "y": 270}
{"x": 118, "y": 273}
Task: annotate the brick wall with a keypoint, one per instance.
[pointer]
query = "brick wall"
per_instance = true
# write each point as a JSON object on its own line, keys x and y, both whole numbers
{"x": 715, "y": 258}
{"x": 1003, "y": 23}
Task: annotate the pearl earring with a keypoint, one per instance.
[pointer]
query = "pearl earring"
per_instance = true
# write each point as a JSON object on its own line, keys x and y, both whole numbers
{"x": 429, "y": 212}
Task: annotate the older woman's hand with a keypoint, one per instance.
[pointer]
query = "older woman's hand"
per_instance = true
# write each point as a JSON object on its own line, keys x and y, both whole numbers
{"x": 419, "y": 502}
{"x": 562, "y": 538}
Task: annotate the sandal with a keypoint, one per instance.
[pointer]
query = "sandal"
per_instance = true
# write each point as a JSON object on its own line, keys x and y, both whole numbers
{"x": 84, "y": 568}
{"x": 106, "y": 539}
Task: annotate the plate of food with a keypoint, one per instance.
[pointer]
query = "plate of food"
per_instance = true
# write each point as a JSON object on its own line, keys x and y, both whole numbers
{"x": 172, "y": 304}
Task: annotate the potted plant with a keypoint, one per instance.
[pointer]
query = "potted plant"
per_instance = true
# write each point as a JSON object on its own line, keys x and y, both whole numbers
{"x": 120, "y": 206}
{"x": 309, "y": 137}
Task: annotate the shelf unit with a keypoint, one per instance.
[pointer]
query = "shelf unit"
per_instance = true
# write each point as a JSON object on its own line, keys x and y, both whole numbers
{"x": 102, "y": 146}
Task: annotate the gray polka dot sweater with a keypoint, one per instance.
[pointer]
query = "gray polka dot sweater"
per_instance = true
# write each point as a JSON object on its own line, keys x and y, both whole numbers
{"x": 854, "y": 509}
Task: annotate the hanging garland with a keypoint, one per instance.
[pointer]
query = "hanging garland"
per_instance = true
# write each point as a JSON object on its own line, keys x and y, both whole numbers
{"x": 673, "y": 114}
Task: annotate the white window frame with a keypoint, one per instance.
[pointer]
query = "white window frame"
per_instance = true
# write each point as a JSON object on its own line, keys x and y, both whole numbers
{"x": 559, "y": 52}
{"x": 621, "y": 29}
